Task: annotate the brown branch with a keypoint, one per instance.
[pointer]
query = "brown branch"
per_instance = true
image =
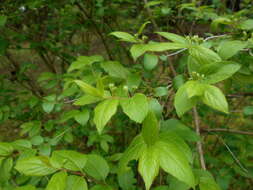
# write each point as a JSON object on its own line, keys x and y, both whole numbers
{"x": 227, "y": 131}
{"x": 243, "y": 94}
{"x": 199, "y": 144}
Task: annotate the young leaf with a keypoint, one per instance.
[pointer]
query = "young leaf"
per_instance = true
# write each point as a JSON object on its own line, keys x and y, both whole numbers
{"x": 137, "y": 50}
{"x": 173, "y": 37}
{"x": 86, "y": 99}
{"x": 82, "y": 117}
{"x": 115, "y": 69}
{"x": 90, "y": 90}
{"x": 68, "y": 159}
{"x": 35, "y": 166}
{"x": 228, "y": 49}
{"x": 182, "y": 103}
{"x": 5, "y": 149}
{"x": 149, "y": 165}
{"x": 123, "y": 36}
{"x": 214, "y": 98}
{"x": 246, "y": 25}
{"x": 103, "y": 113}
{"x": 76, "y": 183}
{"x": 150, "y": 129}
{"x": 127, "y": 180}
{"x": 96, "y": 167}
{"x": 84, "y": 61}
{"x": 57, "y": 181}
{"x": 5, "y": 168}
{"x": 136, "y": 107}
{"x": 150, "y": 61}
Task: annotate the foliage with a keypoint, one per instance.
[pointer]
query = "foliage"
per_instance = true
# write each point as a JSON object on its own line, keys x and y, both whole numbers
{"x": 105, "y": 95}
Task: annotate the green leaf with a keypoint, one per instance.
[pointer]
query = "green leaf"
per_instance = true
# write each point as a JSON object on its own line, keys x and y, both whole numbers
{"x": 149, "y": 165}
{"x": 173, "y": 37}
{"x": 150, "y": 61}
{"x": 155, "y": 107}
{"x": 139, "y": 49}
{"x": 182, "y": 103}
{"x": 161, "y": 91}
{"x": 127, "y": 180}
{"x": 101, "y": 187}
{"x": 133, "y": 152}
{"x": 183, "y": 131}
{"x": 150, "y": 129}
{"x": 90, "y": 90}
{"x": 82, "y": 117}
{"x": 48, "y": 106}
{"x": 68, "y": 159}
{"x": 5, "y": 168}
{"x": 219, "y": 71}
{"x": 96, "y": 167}
{"x": 76, "y": 183}
{"x": 57, "y": 181}
{"x": 37, "y": 140}
{"x": 84, "y": 61}
{"x": 228, "y": 49}
{"x": 86, "y": 99}
{"x": 26, "y": 187}
{"x": 135, "y": 107}
{"x": 3, "y": 20}
{"x": 206, "y": 180}
{"x": 115, "y": 69}
{"x": 248, "y": 110}
{"x": 175, "y": 162}
{"x": 5, "y": 149}
{"x": 247, "y": 24}
{"x": 204, "y": 55}
{"x": 35, "y": 166}
{"x": 214, "y": 98}
{"x": 123, "y": 36}
{"x": 103, "y": 113}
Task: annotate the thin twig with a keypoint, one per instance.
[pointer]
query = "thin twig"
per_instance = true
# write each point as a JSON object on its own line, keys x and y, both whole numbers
{"x": 177, "y": 52}
{"x": 228, "y": 131}
{"x": 212, "y": 37}
{"x": 199, "y": 144}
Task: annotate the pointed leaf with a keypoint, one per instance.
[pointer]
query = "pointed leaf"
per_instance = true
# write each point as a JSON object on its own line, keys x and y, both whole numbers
{"x": 228, "y": 49}
{"x": 123, "y": 36}
{"x": 173, "y": 37}
{"x": 115, "y": 69}
{"x": 90, "y": 90}
{"x": 57, "y": 181}
{"x": 103, "y": 113}
{"x": 76, "y": 183}
{"x": 214, "y": 98}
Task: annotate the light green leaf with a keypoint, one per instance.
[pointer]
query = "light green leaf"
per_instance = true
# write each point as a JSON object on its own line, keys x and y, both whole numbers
{"x": 214, "y": 98}
{"x": 37, "y": 140}
{"x": 115, "y": 69}
{"x": 133, "y": 152}
{"x": 68, "y": 115}
{"x": 86, "y": 99}
{"x": 103, "y": 113}
{"x": 26, "y": 187}
{"x": 219, "y": 71}
{"x": 194, "y": 88}
{"x": 35, "y": 166}
{"x": 248, "y": 110}
{"x": 5, "y": 149}
{"x": 90, "y": 90}
{"x": 161, "y": 91}
{"x": 96, "y": 167}
{"x": 175, "y": 162}
{"x": 173, "y": 37}
{"x": 150, "y": 129}
{"x": 48, "y": 106}
{"x": 155, "y": 107}
{"x": 182, "y": 103}
{"x": 123, "y": 36}
{"x": 84, "y": 61}
{"x": 5, "y": 168}
{"x": 57, "y": 181}
{"x": 247, "y": 24}
{"x": 135, "y": 107}
{"x": 228, "y": 49}
{"x": 82, "y": 117}
{"x": 150, "y": 61}
{"x": 204, "y": 55}
{"x": 149, "y": 165}
{"x": 68, "y": 159}
{"x": 76, "y": 183}
{"x": 139, "y": 49}
{"x": 101, "y": 187}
